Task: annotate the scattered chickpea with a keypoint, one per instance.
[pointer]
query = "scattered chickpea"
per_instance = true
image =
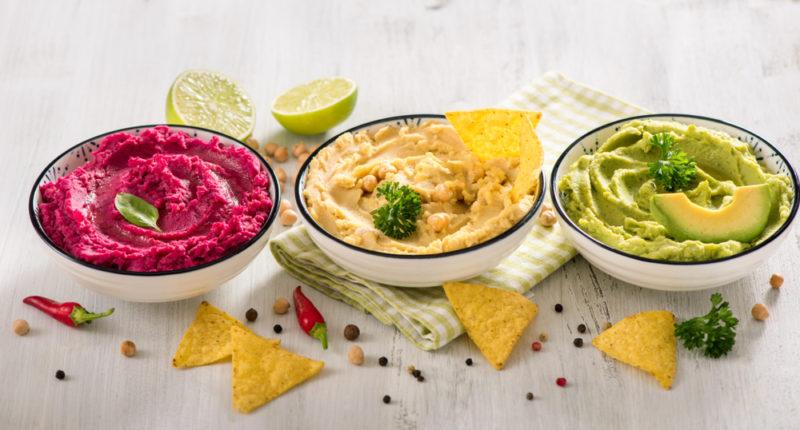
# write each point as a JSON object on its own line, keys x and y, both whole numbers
{"x": 760, "y": 312}
{"x": 288, "y": 217}
{"x": 299, "y": 148}
{"x": 252, "y": 142}
{"x": 543, "y": 337}
{"x": 285, "y": 205}
{"x": 21, "y": 327}
{"x": 127, "y": 348}
{"x": 368, "y": 183}
{"x": 281, "y": 306}
{"x": 547, "y": 218}
{"x": 776, "y": 280}
{"x": 281, "y": 174}
{"x": 302, "y": 159}
{"x": 438, "y": 221}
{"x": 270, "y": 148}
{"x": 441, "y": 193}
{"x": 356, "y": 355}
{"x": 281, "y": 154}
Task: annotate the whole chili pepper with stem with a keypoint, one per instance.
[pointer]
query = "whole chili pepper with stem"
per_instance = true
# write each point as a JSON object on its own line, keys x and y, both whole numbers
{"x": 310, "y": 319}
{"x": 69, "y": 313}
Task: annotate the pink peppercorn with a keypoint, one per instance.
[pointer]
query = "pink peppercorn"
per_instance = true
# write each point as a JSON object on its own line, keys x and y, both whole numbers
{"x": 561, "y": 382}
{"x": 536, "y": 346}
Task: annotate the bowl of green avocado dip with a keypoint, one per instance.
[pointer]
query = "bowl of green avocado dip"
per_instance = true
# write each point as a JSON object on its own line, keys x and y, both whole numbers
{"x": 674, "y": 202}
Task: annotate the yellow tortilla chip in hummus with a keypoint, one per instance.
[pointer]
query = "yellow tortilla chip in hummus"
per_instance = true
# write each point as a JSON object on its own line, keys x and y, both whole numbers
{"x": 530, "y": 161}
{"x": 645, "y": 340}
{"x": 208, "y": 339}
{"x": 263, "y": 371}
{"x": 494, "y": 319}
{"x": 492, "y": 133}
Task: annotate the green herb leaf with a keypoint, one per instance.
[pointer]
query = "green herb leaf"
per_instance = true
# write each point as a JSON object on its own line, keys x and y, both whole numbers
{"x": 398, "y": 217}
{"x": 715, "y": 332}
{"x": 675, "y": 170}
{"x": 137, "y": 211}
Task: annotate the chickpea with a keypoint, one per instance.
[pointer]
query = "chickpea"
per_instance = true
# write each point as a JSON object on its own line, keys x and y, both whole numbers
{"x": 281, "y": 174}
{"x": 252, "y": 142}
{"x": 384, "y": 170}
{"x": 270, "y": 148}
{"x": 285, "y": 205}
{"x": 356, "y": 355}
{"x": 299, "y": 148}
{"x": 547, "y": 218}
{"x": 760, "y": 312}
{"x": 281, "y": 306}
{"x": 281, "y": 154}
{"x": 776, "y": 280}
{"x": 302, "y": 159}
{"x": 438, "y": 221}
{"x": 127, "y": 348}
{"x": 20, "y": 327}
{"x": 441, "y": 193}
{"x": 288, "y": 217}
{"x": 368, "y": 183}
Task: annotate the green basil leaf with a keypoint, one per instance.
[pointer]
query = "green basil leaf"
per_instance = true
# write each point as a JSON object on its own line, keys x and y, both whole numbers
{"x": 137, "y": 211}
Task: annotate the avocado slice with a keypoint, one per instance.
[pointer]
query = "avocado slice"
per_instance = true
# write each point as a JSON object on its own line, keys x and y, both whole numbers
{"x": 742, "y": 220}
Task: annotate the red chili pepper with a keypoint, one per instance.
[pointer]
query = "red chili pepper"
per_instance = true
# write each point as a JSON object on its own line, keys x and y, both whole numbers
{"x": 310, "y": 319}
{"x": 70, "y": 313}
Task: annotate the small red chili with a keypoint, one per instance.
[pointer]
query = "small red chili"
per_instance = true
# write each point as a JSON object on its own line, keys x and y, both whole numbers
{"x": 69, "y": 313}
{"x": 311, "y": 321}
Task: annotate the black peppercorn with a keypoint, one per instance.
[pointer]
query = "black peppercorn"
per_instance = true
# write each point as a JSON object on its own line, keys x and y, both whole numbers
{"x": 416, "y": 373}
{"x": 558, "y": 307}
{"x": 277, "y": 328}
{"x": 351, "y": 332}
{"x": 582, "y": 328}
{"x": 469, "y": 362}
{"x": 578, "y": 342}
{"x": 421, "y": 378}
{"x": 383, "y": 361}
{"x": 251, "y": 314}
{"x": 529, "y": 396}
{"x": 387, "y": 399}
{"x": 60, "y": 374}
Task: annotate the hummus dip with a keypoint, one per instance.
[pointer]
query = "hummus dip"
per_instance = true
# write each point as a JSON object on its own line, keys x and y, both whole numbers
{"x": 607, "y": 194}
{"x": 210, "y": 198}
{"x": 464, "y": 201}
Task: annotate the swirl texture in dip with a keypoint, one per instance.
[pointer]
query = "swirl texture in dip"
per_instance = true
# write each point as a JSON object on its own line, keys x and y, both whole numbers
{"x": 211, "y": 199}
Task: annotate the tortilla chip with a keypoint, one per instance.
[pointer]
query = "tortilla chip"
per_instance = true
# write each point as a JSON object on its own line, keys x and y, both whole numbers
{"x": 492, "y": 133}
{"x": 530, "y": 161}
{"x": 645, "y": 340}
{"x": 494, "y": 319}
{"x": 263, "y": 371}
{"x": 208, "y": 339}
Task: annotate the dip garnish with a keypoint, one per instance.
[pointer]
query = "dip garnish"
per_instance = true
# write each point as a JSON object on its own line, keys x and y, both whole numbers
{"x": 69, "y": 313}
{"x": 715, "y": 332}
{"x": 398, "y": 217}
{"x": 137, "y": 211}
{"x": 675, "y": 170}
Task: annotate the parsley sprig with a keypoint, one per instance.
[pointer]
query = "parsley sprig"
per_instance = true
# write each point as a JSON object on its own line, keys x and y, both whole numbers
{"x": 715, "y": 332}
{"x": 398, "y": 217}
{"x": 675, "y": 170}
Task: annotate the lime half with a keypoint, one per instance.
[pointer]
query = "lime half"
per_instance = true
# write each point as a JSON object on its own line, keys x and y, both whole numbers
{"x": 317, "y": 106}
{"x": 211, "y": 100}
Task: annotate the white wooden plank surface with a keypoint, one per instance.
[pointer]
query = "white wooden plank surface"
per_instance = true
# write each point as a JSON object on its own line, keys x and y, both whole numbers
{"x": 71, "y": 69}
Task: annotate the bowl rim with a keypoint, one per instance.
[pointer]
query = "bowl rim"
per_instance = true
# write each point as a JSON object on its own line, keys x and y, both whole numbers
{"x": 239, "y": 249}
{"x": 301, "y": 203}
{"x": 571, "y": 224}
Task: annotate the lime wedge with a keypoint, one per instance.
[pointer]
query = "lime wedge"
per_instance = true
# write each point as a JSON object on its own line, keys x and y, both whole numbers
{"x": 211, "y": 100}
{"x": 317, "y": 106}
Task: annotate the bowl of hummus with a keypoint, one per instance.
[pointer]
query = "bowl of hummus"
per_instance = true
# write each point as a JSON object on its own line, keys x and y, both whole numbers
{"x": 674, "y": 202}
{"x": 467, "y": 221}
{"x": 155, "y": 213}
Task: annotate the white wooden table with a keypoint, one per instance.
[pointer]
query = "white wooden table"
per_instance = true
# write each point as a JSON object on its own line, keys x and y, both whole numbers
{"x": 73, "y": 69}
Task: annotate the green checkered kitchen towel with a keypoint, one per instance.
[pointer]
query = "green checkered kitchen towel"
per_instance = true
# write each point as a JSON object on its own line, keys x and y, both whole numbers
{"x": 424, "y": 315}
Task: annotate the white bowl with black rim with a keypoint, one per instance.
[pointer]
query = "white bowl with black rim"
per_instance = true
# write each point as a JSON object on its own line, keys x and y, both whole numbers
{"x": 669, "y": 275}
{"x": 162, "y": 286}
{"x": 413, "y": 270}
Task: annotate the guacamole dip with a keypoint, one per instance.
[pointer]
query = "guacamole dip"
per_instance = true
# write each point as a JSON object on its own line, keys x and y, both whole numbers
{"x": 608, "y": 193}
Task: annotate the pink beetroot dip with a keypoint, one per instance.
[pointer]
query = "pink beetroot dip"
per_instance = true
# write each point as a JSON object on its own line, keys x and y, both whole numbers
{"x": 211, "y": 199}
